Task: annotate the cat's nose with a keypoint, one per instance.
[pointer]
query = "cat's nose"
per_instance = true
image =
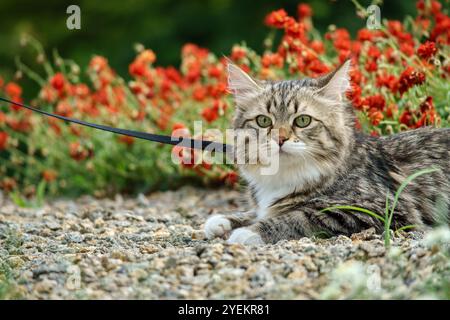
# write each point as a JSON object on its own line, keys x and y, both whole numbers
{"x": 281, "y": 140}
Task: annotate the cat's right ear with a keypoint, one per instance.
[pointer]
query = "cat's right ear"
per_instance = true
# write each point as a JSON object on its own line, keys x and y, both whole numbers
{"x": 241, "y": 85}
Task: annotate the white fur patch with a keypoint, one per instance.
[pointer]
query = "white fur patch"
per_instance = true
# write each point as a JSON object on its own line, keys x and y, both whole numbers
{"x": 217, "y": 226}
{"x": 245, "y": 236}
{"x": 290, "y": 177}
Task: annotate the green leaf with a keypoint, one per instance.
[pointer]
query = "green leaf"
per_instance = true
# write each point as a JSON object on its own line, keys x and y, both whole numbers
{"x": 40, "y": 193}
{"x": 18, "y": 199}
{"x": 404, "y": 185}
{"x": 411, "y": 226}
{"x": 353, "y": 208}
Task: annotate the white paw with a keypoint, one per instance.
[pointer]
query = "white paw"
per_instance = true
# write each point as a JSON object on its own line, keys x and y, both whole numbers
{"x": 217, "y": 226}
{"x": 245, "y": 236}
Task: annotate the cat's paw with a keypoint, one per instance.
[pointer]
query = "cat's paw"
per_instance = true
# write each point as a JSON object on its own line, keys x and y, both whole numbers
{"x": 245, "y": 236}
{"x": 217, "y": 226}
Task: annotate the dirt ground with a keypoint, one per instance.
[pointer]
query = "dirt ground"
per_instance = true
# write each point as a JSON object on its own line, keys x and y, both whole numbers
{"x": 153, "y": 247}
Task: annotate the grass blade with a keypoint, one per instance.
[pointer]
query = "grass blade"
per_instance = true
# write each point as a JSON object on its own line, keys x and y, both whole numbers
{"x": 403, "y": 186}
{"x": 353, "y": 208}
{"x": 411, "y": 226}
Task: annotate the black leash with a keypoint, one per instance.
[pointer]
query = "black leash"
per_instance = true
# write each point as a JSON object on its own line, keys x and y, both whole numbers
{"x": 183, "y": 142}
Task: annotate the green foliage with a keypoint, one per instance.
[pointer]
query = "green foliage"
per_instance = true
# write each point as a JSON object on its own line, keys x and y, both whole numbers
{"x": 389, "y": 210}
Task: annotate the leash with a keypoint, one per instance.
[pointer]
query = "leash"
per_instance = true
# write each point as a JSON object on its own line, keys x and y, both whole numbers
{"x": 182, "y": 142}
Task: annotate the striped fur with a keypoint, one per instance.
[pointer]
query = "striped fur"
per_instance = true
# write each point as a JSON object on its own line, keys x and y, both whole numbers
{"x": 329, "y": 163}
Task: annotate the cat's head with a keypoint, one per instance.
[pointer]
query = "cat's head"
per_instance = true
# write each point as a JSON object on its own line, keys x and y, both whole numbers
{"x": 313, "y": 122}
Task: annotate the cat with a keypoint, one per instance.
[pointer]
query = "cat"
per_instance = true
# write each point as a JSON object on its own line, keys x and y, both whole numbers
{"x": 324, "y": 161}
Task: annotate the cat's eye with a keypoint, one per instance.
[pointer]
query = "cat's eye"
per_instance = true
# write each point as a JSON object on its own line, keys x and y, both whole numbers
{"x": 263, "y": 121}
{"x": 302, "y": 121}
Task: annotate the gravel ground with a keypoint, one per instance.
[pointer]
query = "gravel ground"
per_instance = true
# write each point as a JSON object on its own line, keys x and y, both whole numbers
{"x": 154, "y": 248}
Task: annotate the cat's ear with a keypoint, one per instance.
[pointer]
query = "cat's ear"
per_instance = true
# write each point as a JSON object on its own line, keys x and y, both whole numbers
{"x": 335, "y": 84}
{"x": 241, "y": 85}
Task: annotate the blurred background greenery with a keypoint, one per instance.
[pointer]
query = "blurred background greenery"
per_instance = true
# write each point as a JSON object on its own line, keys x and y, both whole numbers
{"x": 111, "y": 28}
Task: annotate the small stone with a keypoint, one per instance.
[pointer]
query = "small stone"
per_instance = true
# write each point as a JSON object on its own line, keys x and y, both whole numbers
{"x": 367, "y": 234}
{"x": 161, "y": 234}
{"x": 151, "y": 248}
{"x": 45, "y": 286}
{"x": 75, "y": 237}
{"x": 53, "y": 225}
{"x": 198, "y": 235}
{"x": 15, "y": 262}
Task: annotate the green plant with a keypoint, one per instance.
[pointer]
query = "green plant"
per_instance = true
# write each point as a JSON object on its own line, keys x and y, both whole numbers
{"x": 389, "y": 211}
{"x": 399, "y": 82}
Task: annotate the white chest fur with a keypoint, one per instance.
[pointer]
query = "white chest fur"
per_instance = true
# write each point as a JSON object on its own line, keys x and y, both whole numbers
{"x": 269, "y": 188}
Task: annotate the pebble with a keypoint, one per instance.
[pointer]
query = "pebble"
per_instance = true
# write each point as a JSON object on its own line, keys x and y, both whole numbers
{"x": 153, "y": 247}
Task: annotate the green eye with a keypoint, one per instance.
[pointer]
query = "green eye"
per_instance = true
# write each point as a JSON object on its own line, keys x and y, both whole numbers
{"x": 263, "y": 121}
{"x": 302, "y": 121}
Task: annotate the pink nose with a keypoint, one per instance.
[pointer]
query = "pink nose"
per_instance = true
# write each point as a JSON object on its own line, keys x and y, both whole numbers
{"x": 281, "y": 140}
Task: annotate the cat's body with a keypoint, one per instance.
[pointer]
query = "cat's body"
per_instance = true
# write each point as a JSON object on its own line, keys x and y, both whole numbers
{"x": 325, "y": 162}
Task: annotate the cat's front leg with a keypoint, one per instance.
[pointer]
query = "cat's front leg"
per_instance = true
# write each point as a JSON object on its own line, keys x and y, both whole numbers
{"x": 246, "y": 235}
{"x": 220, "y": 225}
{"x": 305, "y": 223}
{"x": 287, "y": 226}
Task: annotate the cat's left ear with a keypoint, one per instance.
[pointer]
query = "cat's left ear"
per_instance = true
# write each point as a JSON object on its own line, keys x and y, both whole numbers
{"x": 335, "y": 84}
{"x": 241, "y": 84}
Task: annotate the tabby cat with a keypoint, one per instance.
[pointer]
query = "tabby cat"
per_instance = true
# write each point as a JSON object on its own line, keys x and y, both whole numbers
{"x": 325, "y": 162}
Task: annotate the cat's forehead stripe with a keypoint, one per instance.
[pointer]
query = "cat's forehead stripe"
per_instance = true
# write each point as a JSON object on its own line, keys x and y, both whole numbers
{"x": 282, "y": 96}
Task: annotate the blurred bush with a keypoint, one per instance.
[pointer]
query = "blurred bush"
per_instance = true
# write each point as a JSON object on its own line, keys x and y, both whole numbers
{"x": 110, "y": 28}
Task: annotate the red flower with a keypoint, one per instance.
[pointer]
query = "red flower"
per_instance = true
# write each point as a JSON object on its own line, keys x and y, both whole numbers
{"x": 407, "y": 49}
{"x": 272, "y": 59}
{"x": 408, "y": 79}
{"x": 407, "y": 118}
{"x": 179, "y": 130}
{"x": 371, "y": 66}
{"x": 2, "y": 118}
{"x": 420, "y": 5}
{"x": 375, "y": 116}
{"x": 137, "y": 69}
{"x": 374, "y": 52}
{"x": 64, "y": 109}
{"x": 3, "y": 140}
{"x": 218, "y": 90}
{"x": 49, "y": 175}
{"x": 427, "y": 105}
{"x": 376, "y": 102}
{"x": 214, "y": 72}
{"x": 231, "y": 178}
{"x": 146, "y": 56}
{"x": 317, "y": 46}
{"x": 199, "y": 93}
{"x": 238, "y": 53}
{"x": 276, "y": 18}
{"x": 12, "y": 89}
{"x": 427, "y": 50}
{"x": 304, "y": 10}
{"x": 391, "y": 110}
{"x": 58, "y": 81}
{"x": 8, "y": 184}
{"x": 386, "y": 80}
{"x": 98, "y": 63}
{"x": 178, "y": 125}
{"x": 436, "y": 7}
{"x": 186, "y": 156}
{"x": 354, "y": 95}
{"x": 210, "y": 114}
{"x": 126, "y": 140}
{"x": 318, "y": 67}
{"x": 194, "y": 72}
{"x": 23, "y": 125}
{"x": 364, "y": 35}
{"x": 78, "y": 152}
